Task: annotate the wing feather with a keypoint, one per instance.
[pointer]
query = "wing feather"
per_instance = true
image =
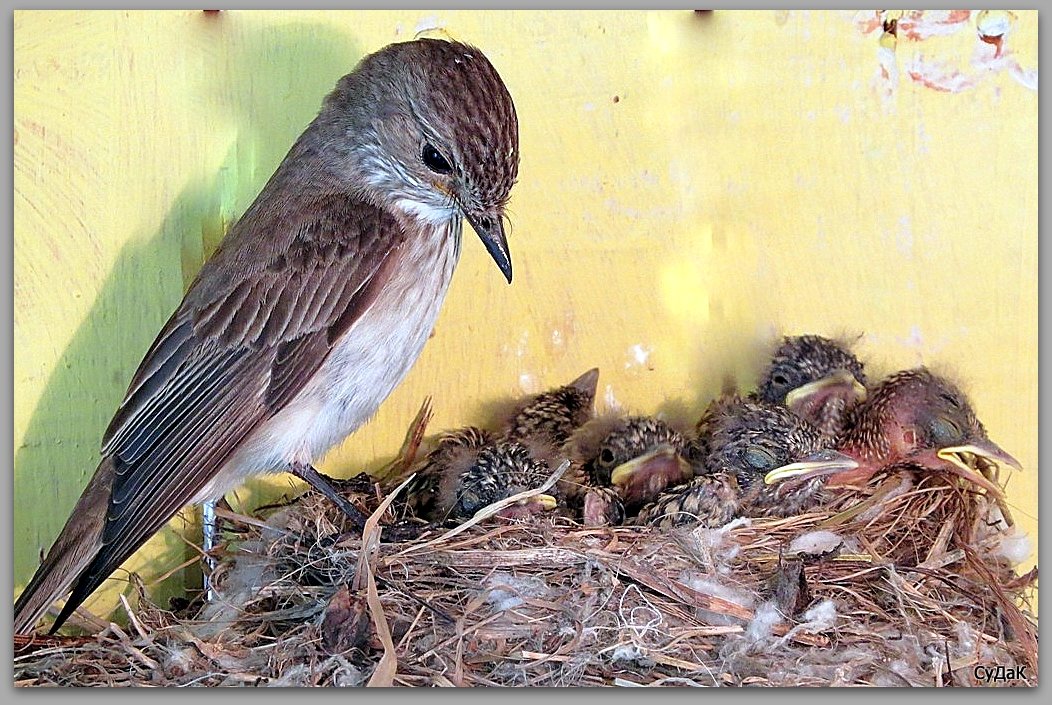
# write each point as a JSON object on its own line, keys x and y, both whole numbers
{"x": 222, "y": 366}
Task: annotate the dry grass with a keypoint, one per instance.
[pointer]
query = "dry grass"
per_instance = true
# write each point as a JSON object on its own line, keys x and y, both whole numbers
{"x": 906, "y": 585}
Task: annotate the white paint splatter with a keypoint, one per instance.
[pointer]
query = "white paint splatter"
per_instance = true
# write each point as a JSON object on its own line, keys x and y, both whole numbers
{"x": 915, "y": 338}
{"x": 1025, "y": 77}
{"x": 589, "y": 107}
{"x": 524, "y": 340}
{"x": 612, "y": 404}
{"x": 904, "y": 237}
{"x": 557, "y": 338}
{"x": 528, "y": 383}
{"x": 844, "y": 113}
{"x": 428, "y": 23}
{"x": 923, "y": 139}
{"x": 639, "y": 355}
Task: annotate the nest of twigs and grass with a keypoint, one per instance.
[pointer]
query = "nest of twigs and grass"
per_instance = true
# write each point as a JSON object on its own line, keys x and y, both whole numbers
{"x": 907, "y": 581}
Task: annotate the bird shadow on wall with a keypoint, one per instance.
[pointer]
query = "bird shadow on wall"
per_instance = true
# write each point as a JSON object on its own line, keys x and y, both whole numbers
{"x": 292, "y": 67}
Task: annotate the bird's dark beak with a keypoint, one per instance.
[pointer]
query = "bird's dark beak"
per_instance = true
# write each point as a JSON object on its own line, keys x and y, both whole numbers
{"x": 824, "y": 462}
{"x": 955, "y": 459}
{"x": 839, "y": 383}
{"x": 490, "y": 230}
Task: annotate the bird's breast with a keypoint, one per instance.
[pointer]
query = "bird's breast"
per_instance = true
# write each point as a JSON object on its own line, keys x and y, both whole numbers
{"x": 363, "y": 367}
{"x": 377, "y": 351}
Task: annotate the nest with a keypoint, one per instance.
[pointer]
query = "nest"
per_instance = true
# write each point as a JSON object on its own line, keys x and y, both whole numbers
{"x": 908, "y": 581}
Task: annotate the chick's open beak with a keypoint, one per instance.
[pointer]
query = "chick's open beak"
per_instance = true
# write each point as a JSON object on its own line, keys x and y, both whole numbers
{"x": 839, "y": 382}
{"x": 647, "y": 475}
{"x": 824, "y": 462}
{"x": 490, "y": 230}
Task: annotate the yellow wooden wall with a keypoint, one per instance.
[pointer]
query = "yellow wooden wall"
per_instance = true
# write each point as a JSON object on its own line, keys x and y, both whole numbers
{"x": 692, "y": 185}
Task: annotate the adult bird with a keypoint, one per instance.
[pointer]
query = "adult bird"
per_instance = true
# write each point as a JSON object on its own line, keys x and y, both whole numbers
{"x": 746, "y": 440}
{"x": 311, "y": 311}
{"x": 918, "y": 418}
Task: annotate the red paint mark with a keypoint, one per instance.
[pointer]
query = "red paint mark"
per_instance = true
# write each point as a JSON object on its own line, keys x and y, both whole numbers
{"x": 997, "y": 41}
{"x": 870, "y": 23}
{"x": 927, "y": 82}
{"x": 938, "y": 78}
{"x": 919, "y": 25}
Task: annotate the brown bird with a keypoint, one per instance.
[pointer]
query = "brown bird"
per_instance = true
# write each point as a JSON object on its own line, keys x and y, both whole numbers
{"x": 617, "y": 464}
{"x": 818, "y": 378}
{"x": 471, "y": 468}
{"x": 918, "y": 418}
{"x": 554, "y": 415}
{"x": 312, "y": 310}
{"x": 748, "y": 439}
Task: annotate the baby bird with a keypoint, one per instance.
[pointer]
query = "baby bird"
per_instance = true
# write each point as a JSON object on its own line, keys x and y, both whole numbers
{"x": 618, "y": 464}
{"x": 746, "y": 440}
{"x": 817, "y": 378}
{"x": 554, "y": 415}
{"x": 919, "y": 418}
{"x": 470, "y": 468}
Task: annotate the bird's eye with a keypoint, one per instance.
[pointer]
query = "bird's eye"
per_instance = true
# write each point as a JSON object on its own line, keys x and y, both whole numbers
{"x": 780, "y": 380}
{"x": 758, "y": 458}
{"x": 435, "y": 161}
{"x": 606, "y": 457}
{"x": 943, "y": 430}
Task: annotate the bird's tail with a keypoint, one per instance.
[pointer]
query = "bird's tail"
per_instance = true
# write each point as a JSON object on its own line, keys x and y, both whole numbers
{"x": 71, "y": 553}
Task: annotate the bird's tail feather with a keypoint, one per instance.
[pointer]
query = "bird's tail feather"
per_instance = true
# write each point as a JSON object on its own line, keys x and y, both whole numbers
{"x": 71, "y": 553}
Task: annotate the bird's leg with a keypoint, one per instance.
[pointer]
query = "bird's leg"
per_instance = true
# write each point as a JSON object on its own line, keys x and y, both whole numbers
{"x": 208, "y": 542}
{"x": 309, "y": 474}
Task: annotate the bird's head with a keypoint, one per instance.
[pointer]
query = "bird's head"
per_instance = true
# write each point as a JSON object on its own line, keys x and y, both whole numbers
{"x": 761, "y": 444}
{"x": 500, "y": 471}
{"x": 552, "y": 416}
{"x": 431, "y": 130}
{"x": 641, "y": 457}
{"x": 923, "y": 419}
{"x": 818, "y": 378}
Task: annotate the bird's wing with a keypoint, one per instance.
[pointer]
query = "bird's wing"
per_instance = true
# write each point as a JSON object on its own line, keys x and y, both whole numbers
{"x": 220, "y": 367}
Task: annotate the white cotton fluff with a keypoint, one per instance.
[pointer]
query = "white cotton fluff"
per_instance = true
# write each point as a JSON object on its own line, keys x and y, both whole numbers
{"x": 816, "y": 619}
{"x": 716, "y": 547}
{"x": 628, "y": 652}
{"x": 1015, "y": 546}
{"x": 507, "y": 591}
{"x": 966, "y": 640}
{"x": 762, "y": 626}
{"x": 816, "y": 542}
{"x": 708, "y": 586}
{"x": 820, "y": 617}
{"x": 295, "y": 676}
